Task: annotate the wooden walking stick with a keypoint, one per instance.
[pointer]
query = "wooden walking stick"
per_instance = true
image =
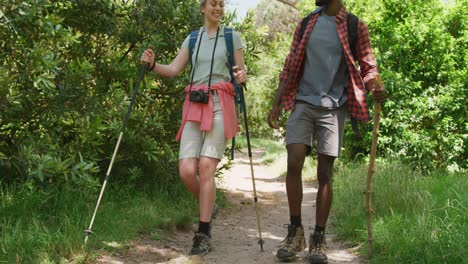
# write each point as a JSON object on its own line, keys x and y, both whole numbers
{"x": 371, "y": 170}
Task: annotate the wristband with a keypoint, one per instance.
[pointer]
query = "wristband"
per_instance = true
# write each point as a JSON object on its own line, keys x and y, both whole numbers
{"x": 154, "y": 65}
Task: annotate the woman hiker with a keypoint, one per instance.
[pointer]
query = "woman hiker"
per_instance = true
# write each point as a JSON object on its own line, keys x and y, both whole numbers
{"x": 209, "y": 117}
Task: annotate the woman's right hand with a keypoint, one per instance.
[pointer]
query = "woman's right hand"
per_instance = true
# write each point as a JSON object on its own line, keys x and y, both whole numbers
{"x": 148, "y": 57}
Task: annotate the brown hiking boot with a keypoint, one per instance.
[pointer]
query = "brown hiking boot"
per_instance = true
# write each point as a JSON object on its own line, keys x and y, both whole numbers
{"x": 317, "y": 249}
{"x": 292, "y": 244}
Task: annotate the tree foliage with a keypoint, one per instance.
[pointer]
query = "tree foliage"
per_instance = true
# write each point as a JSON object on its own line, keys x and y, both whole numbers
{"x": 422, "y": 55}
{"x": 66, "y": 71}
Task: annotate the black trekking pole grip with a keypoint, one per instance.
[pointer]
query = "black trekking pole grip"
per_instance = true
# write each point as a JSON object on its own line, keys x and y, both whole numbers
{"x": 127, "y": 116}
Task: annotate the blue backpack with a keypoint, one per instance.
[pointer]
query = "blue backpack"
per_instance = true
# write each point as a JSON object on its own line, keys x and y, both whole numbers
{"x": 230, "y": 50}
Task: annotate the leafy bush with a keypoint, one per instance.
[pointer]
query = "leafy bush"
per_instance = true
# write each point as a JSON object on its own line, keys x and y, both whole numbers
{"x": 67, "y": 70}
{"x": 421, "y": 57}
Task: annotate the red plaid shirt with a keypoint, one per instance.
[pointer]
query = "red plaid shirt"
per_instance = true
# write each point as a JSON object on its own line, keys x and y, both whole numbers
{"x": 293, "y": 66}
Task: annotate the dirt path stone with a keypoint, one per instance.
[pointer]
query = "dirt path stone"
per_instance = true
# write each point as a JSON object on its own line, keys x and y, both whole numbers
{"x": 235, "y": 233}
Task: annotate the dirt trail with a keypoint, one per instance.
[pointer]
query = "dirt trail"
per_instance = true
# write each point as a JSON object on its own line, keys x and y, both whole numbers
{"x": 235, "y": 233}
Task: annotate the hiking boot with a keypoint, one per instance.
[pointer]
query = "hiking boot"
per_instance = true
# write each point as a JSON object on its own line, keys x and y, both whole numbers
{"x": 201, "y": 244}
{"x": 292, "y": 244}
{"x": 317, "y": 249}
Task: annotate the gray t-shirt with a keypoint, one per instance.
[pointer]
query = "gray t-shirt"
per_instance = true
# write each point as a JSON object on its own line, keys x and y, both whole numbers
{"x": 325, "y": 73}
{"x": 221, "y": 72}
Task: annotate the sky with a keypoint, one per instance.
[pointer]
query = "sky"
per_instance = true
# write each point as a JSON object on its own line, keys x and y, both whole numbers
{"x": 241, "y": 6}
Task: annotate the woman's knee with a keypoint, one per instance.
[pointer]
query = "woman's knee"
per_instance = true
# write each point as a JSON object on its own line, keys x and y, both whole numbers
{"x": 207, "y": 167}
{"x": 187, "y": 168}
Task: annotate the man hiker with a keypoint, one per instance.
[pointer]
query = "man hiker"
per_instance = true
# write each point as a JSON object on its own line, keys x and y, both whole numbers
{"x": 321, "y": 83}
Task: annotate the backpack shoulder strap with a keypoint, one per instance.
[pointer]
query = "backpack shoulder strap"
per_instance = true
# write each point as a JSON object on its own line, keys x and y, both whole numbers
{"x": 230, "y": 53}
{"x": 304, "y": 23}
{"x": 352, "y": 23}
{"x": 306, "y": 20}
{"x": 192, "y": 41}
{"x": 229, "y": 45}
{"x": 228, "y": 37}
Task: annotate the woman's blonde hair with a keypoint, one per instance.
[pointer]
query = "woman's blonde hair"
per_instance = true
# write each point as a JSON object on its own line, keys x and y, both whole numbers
{"x": 202, "y": 2}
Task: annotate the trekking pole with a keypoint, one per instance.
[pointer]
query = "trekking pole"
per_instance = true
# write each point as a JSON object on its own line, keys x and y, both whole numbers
{"x": 371, "y": 170}
{"x": 242, "y": 99}
{"x": 135, "y": 92}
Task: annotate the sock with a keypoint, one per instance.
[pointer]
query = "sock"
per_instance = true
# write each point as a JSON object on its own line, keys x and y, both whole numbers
{"x": 296, "y": 220}
{"x": 319, "y": 229}
{"x": 204, "y": 228}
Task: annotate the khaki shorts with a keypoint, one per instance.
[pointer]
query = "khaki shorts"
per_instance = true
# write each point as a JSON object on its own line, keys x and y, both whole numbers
{"x": 327, "y": 125}
{"x": 195, "y": 143}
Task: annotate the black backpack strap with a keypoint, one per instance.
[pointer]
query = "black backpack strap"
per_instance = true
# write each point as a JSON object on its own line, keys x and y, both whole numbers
{"x": 352, "y": 24}
{"x": 192, "y": 42}
{"x": 228, "y": 37}
{"x": 352, "y": 32}
{"x": 304, "y": 23}
{"x": 230, "y": 52}
{"x": 229, "y": 46}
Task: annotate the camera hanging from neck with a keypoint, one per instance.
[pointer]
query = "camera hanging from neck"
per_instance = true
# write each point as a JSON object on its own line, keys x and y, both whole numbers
{"x": 201, "y": 96}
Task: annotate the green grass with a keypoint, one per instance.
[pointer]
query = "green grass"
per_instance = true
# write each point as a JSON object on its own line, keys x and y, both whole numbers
{"x": 38, "y": 226}
{"x": 272, "y": 149}
{"x": 417, "y": 219}
{"x": 275, "y": 156}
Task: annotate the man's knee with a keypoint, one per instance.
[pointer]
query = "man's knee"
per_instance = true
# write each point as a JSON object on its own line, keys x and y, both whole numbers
{"x": 325, "y": 168}
{"x": 296, "y": 156}
{"x": 294, "y": 168}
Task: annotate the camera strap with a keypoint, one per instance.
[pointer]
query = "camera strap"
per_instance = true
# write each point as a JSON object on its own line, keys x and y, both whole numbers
{"x": 212, "y": 60}
{"x": 196, "y": 59}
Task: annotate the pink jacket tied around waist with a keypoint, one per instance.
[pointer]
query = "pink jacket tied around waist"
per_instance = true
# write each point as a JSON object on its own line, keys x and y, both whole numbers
{"x": 203, "y": 113}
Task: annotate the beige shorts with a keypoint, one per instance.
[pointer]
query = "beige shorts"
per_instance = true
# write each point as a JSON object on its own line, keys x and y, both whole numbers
{"x": 195, "y": 143}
